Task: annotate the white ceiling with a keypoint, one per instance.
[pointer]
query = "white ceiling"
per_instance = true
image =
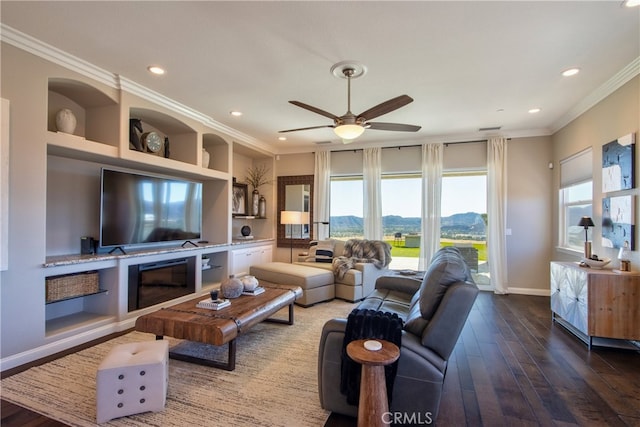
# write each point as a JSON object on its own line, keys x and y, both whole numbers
{"x": 461, "y": 61}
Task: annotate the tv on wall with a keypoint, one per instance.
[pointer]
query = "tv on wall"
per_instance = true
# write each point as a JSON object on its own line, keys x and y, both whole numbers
{"x": 139, "y": 209}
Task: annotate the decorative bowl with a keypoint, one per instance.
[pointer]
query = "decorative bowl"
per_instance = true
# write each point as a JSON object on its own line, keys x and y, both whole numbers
{"x": 597, "y": 264}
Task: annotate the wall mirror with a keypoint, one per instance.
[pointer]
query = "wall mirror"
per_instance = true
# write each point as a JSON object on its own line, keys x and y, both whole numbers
{"x": 295, "y": 193}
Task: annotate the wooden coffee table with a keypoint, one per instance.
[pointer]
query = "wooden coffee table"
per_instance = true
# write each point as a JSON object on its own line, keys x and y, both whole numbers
{"x": 218, "y": 327}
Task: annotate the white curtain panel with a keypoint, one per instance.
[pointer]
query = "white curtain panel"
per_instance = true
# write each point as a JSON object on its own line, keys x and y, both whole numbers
{"x": 372, "y": 180}
{"x": 497, "y": 213}
{"x": 321, "y": 193}
{"x": 432, "y": 155}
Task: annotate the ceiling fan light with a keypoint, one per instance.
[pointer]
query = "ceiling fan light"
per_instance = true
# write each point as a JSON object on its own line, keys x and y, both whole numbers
{"x": 348, "y": 131}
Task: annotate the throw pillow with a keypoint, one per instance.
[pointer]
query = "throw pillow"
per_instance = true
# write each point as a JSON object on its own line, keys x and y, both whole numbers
{"x": 320, "y": 251}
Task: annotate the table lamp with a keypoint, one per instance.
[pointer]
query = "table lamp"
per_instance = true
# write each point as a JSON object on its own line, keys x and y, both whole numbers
{"x": 625, "y": 257}
{"x": 586, "y": 222}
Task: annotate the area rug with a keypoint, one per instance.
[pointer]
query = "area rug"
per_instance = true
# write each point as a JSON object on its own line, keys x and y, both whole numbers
{"x": 274, "y": 383}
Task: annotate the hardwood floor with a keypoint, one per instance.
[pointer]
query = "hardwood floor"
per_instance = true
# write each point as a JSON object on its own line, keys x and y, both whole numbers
{"x": 511, "y": 366}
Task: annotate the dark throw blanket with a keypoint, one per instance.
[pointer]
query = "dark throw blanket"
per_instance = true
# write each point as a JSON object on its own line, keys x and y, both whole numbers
{"x": 363, "y": 324}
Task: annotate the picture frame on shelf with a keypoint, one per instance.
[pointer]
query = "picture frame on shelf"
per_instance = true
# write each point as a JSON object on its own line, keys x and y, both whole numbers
{"x": 240, "y": 199}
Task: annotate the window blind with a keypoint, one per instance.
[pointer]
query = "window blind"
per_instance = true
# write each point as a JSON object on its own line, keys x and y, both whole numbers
{"x": 577, "y": 168}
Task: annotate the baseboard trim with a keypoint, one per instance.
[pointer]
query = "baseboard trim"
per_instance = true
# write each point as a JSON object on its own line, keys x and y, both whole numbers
{"x": 530, "y": 291}
{"x": 519, "y": 291}
{"x": 50, "y": 349}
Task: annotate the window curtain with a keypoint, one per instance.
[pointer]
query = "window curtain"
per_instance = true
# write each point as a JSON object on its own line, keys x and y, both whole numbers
{"x": 432, "y": 155}
{"x": 372, "y": 182}
{"x": 497, "y": 213}
{"x": 321, "y": 193}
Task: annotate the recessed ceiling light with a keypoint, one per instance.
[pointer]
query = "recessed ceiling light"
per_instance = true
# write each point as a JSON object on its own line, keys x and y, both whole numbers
{"x": 236, "y": 113}
{"x": 571, "y": 71}
{"x": 534, "y": 110}
{"x": 282, "y": 138}
{"x": 631, "y": 3}
{"x": 154, "y": 69}
{"x": 500, "y": 110}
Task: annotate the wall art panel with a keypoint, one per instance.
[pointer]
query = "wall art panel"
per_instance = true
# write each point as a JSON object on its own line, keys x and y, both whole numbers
{"x": 618, "y": 164}
{"x": 618, "y": 225}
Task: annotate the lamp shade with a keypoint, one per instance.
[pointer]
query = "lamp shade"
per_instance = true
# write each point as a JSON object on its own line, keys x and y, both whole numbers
{"x": 290, "y": 217}
{"x": 304, "y": 217}
{"x": 586, "y": 222}
{"x": 348, "y": 131}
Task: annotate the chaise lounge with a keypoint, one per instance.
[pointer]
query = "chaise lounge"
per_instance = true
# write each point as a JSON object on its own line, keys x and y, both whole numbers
{"x": 434, "y": 312}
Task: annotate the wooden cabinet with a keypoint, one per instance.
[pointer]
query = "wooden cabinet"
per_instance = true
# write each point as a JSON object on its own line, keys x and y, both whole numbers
{"x": 595, "y": 303}
{"x": 243, "y": 259}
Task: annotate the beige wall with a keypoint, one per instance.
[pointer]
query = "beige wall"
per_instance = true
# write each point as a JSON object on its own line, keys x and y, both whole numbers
{"x": 613, "y": 117}
{"x": 529, "y": 215}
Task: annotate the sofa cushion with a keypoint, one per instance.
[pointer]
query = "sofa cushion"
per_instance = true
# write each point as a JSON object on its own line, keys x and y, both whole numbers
{"x": 447, "y": 267}
{"x": 321, "y": 251}
{"x": 353, "y": 277}
{"x": 388, "y": 301}
{"x": 415, "y": 323}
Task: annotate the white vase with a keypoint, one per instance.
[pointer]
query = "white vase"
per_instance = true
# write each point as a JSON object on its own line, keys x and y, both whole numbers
{"x": 250, "y": 283}
{"x": 205, "y": 158}
{"x": 66, "y": 121}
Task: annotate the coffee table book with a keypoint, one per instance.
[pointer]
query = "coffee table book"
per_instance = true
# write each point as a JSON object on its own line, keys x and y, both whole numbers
{"x": 209, "y": 304}
{"x": 257, "y": 291}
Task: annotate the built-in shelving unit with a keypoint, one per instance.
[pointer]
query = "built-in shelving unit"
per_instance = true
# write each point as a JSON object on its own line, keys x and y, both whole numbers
{"x": 100, "y": 138}
{"x": 64, "y": 193}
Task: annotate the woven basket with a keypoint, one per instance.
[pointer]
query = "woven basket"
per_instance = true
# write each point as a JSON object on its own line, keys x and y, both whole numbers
{"x": 71, "y": 285}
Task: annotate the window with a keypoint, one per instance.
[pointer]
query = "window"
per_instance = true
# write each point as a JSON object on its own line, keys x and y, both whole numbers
{"x": 575, "y": 199}
{"x": 463, "y": 219}
{"x": 346, "y": 208}
{"x": 401, "y": 204}
{"x": 464, "y": 208}
{"x": 575, "y": 202}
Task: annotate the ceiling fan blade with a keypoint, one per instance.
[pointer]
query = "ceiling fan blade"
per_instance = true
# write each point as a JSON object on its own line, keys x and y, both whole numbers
{"x": 386, "y": 107}
{"x": 307, "y": 128}
{"x": 314, "y": 109}
{"x": 398, "y": 127}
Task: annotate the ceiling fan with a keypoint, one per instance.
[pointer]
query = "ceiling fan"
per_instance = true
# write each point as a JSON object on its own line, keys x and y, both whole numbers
{"x": 350, "y": 126}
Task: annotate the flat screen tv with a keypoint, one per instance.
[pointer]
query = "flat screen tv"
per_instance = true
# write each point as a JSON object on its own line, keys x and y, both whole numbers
{"x": 139, "y": 209}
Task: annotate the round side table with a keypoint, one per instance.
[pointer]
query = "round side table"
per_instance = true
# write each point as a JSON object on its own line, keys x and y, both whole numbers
{"x": 373, "y": 387}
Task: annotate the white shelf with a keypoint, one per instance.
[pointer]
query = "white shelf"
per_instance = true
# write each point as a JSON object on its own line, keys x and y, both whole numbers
{"x": 76, "y": 322}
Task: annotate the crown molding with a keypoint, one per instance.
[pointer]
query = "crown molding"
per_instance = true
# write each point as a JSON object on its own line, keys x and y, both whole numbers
{"x": 53, "y": 54}
{"x": 427, "y": 139}
{"x": 606, "y": 89}
{"x": 164, "y": 101}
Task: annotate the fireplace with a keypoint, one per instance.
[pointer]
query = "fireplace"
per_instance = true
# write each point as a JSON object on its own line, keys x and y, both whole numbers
{"x": 157, "y": 282}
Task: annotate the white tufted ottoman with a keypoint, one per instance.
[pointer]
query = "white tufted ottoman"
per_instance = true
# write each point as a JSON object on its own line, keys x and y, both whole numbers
{"x": 131, "y": 379}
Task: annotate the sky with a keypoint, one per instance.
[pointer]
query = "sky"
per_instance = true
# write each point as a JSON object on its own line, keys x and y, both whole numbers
{"x": 460, "y": 194}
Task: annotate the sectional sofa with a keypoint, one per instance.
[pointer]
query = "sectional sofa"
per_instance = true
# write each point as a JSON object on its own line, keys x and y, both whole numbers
{"x": 332, "y": 268}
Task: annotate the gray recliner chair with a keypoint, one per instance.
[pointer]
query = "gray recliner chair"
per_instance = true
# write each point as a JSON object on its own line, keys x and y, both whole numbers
{"x": 434, "y": 311}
